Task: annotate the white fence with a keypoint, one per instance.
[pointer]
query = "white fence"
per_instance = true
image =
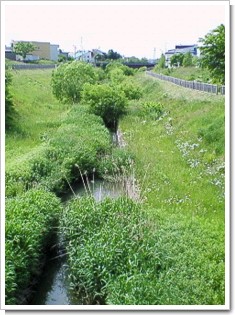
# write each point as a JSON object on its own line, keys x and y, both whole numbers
{"x": 200, "y": 86}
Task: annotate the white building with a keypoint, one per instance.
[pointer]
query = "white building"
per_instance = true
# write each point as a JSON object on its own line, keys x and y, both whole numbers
{"x": 88, "y": 55}
{"x": 54, "y": 49}
{"x": 180, "y": 49}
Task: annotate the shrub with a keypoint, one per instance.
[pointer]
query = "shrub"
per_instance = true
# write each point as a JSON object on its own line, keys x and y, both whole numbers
{"x": 68, "y": 80}
{"x": 116, "y": 75}
{"x": 105, "y": 101}
{"x": 118, "y": 65}
{"x": 153, "y": 108}
{"x": 132, "y": 91}
{"x": 30, "y": 222}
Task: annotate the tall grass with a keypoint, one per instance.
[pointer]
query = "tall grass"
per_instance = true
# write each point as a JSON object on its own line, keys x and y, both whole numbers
{"x": 187, "y": 73}
{"x": 180, "y": 167}
{"x": 38, "y": 112}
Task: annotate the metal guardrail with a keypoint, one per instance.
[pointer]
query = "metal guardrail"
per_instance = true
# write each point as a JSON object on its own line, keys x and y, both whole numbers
{"x": 200, "y": 86}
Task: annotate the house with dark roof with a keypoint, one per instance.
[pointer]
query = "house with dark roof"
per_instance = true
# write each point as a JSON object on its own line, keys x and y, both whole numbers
{"x": 183, "y": 49}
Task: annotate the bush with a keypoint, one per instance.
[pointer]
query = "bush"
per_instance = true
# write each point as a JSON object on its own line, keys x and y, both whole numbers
{"x": 68, "y": 80}
{"x": 105, "y": 101}
{"x": 118, "y": 65}
{"x": 152, "y": 108}
{"x": 132, "y": 91}
{"x": 31, "y": 220}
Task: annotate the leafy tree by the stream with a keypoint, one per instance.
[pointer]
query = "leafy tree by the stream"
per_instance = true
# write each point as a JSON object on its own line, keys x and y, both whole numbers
{"x": 68, "y": 80}
{"x": 213, "y": 53}
{"x": 105, "y": 101}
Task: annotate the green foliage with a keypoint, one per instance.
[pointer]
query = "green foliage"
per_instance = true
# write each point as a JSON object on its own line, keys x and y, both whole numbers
{"x": 142, "y": 69}
{"x": 9, "y": 106}
{"x": 161, "y": 63}
{"x": 177, "y": 60}
{"x": 188, "y": 60}
{"x": 80, "y": 140}
{"x": 131, "y": 89}
{"x": 115, "y": 165}
{"x": 213, "y": 53}
{"x": 68, "y": 80}
{"x": 113, "y": 55}
{"x": 23, "y": 48}
{"x": 61, "y": 58}
{"x": 116, "y": 75}
{"x": 213, "y": 134}
{"x": 153, "y": 109}
{"x": 188, "y": 73}
{"x": 107, "y": 241}
{"x": 118, "y": 64}
{"x": 31, "y": 220}
{"x": 105, "y": 101}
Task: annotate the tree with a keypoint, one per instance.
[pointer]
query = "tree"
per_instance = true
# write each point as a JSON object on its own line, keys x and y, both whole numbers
{"x": 213, "y": 53}
{"x": 177, "y": 60}
{"x": 188, "y": 60}
{"x": 106, "y": 101}
{"x": 23, "y": 48}
{"x": 162, "y": 62}
{"x": 113, "y": 55}
{"x": 9, "y": 106}
{"x": 68, "y": 80}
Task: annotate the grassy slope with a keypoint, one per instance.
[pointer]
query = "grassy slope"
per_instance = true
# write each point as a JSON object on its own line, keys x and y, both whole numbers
{"x": 187, "y": 73}
{"x": 182, "y": 181}
{"x": 38, "y": 111}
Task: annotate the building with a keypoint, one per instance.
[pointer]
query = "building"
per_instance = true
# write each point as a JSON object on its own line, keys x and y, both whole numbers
{"x": 54, "y": 52}
{"x": 9, "y": 54}
{"x": 88, "y": 55}
{"x": 180, "y": 49}
{"x": 44, "y": 50}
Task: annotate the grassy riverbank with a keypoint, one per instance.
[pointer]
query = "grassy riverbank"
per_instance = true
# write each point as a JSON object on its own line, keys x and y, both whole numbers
{"x": 180, "y": 167}
{"x": 187, "y": 73}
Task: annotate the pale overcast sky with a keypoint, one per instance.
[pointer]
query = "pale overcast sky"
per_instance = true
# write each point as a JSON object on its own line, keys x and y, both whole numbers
{"x": 130, "y": 28}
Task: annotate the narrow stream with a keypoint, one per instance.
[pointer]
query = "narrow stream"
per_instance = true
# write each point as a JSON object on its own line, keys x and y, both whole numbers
{"x": 53, "y": 286}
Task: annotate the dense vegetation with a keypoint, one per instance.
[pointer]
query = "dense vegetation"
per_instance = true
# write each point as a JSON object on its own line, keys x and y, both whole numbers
{"x": 166, "y": 247}
{"x": 180, "y": 165}
{"x": 31, "y": 221}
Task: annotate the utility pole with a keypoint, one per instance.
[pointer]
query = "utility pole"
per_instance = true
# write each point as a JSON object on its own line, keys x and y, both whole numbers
{"x": 154, "y": 53}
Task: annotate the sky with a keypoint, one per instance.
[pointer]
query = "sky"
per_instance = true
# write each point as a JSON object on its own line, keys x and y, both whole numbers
{"x": 132, "y": 28}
